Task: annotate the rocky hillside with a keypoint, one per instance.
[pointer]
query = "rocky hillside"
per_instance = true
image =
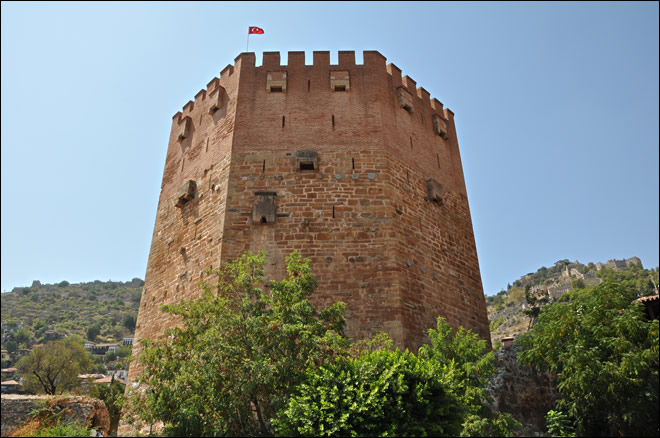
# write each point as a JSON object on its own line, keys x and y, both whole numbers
{"x": 510, "y": 311}
{"x": 35, "y": 314}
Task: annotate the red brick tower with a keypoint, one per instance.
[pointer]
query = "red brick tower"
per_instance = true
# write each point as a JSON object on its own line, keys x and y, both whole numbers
{"x": 352, "y": 165}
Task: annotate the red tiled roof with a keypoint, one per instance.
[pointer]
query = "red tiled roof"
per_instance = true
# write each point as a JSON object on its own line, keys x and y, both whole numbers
{"x": 91, "y": 376}
{"x": 109, "y": 380}
{"x": 649, "y": 298}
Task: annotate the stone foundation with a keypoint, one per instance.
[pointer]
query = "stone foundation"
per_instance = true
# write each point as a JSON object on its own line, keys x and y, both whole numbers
{"x": 522, "y": 391}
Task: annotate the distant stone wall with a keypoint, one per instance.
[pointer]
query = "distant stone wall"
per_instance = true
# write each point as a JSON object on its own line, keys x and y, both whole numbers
{"x": 522, "y": 391}
{"x": 18, "y": 410}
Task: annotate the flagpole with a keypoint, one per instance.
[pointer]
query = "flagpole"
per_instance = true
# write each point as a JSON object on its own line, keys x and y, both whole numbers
{"x": 248, "y": 41}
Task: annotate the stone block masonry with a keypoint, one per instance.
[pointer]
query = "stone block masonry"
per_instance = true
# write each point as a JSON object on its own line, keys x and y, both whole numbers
{"x": 350, "y": 164}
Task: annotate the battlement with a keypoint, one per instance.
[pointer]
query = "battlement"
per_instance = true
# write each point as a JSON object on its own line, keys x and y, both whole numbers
{"x": 373, "y": 61}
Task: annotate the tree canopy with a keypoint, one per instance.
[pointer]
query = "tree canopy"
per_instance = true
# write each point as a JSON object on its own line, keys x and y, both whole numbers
{"x": 605, "y": 355}
{"x": 54, "y": 367}
{"x": 240, "y": 349}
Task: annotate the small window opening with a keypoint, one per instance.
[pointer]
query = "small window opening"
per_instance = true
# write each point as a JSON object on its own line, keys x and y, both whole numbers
{"x": 306, "y": 166}
{"x": 408, "y": 176}
{"x": 340, "y": 87}
{"x": 183, "y": 160}
{"x": 275, "y": 89}
{"x": 411, "y": 144}
{"x": 333, "y": 211}
{"x": 283, "y": 121}
{"x": 207, "y": 145}
{"x": 214, "y": 109}
{"x": 438, "y": 157}
{"x": 263, "y": 220}
{"x": 309, "y": 85}
{"x": 263, "y": 169}
{"x": 333, "y": 120}
{"x": 407, "y": 107}
{"x": 353, "y": 159}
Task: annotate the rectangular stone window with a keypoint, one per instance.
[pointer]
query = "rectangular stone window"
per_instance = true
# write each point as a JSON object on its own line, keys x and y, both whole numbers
{"x": 405, "y": 99}
{"x": 183, "y": 129}
{"x": 340, "y": 81}
{"x": 307, "y": 160}
{"x": 263, "y": 212}
{"x": 186, "y": 193}
{"x": 276, "y": 82}
{"x": 216, "y": 101}
{"x": 434, "y": 191}
{"x": 440, "y": 126}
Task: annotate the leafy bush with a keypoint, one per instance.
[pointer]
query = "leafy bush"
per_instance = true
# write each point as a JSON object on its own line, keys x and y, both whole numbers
{"x": 439, "y": 392}
{"x": 496, "y": 323}
{"x": 383, "y": 393}
{"x": 63, "y": 429}
{"x": 559, "y": 424}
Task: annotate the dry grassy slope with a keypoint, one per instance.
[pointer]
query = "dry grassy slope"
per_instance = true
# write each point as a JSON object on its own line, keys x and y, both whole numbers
{"x": 72, "y": 308}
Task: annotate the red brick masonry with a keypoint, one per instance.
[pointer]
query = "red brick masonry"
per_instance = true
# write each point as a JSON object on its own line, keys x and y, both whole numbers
{"x": 352, "y": 165}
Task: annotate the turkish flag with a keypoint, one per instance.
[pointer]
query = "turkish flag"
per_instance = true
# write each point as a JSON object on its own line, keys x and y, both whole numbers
{"x": 255, "y": 29}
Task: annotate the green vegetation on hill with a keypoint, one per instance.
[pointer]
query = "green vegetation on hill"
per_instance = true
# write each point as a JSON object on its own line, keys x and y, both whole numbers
{"x": 107, "y": 310}
{"x": 511, "y": 312}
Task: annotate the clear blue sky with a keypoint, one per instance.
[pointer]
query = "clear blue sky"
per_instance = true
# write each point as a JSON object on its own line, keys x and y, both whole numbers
{"x": 556, "y": 110}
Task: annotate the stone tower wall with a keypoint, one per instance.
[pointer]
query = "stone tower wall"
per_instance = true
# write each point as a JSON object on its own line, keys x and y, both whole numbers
{"x": 397, "y": 254}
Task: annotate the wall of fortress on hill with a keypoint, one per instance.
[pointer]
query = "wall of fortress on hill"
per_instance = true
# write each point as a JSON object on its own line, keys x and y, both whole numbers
{"x": 350, "y": 164}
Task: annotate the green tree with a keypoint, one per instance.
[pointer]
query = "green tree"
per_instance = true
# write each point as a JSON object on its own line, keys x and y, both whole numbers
{"x": 10, "y": 345}
{"x": 129, "y": 322}
{"x": 54, "y": 368}
{"x": 605, "y": 355}
{"x": 475, "y": 365}
{"x": 93, "y": 331}
{"x": 535, "y": 302}
{"x": 110, "y": 356}
{"x": 39, "y": 325}
{"x": 23, "y": 337}
{"x": 239, "y": 352}
{"x": 577, "y": 283}
{"x": 124, "y": 351}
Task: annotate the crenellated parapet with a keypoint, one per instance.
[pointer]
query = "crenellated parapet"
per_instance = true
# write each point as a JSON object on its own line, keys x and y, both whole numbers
{"x": 373, "y": 60}
{"x": 214, "y": 90}
{"x": 368, "y": 106}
